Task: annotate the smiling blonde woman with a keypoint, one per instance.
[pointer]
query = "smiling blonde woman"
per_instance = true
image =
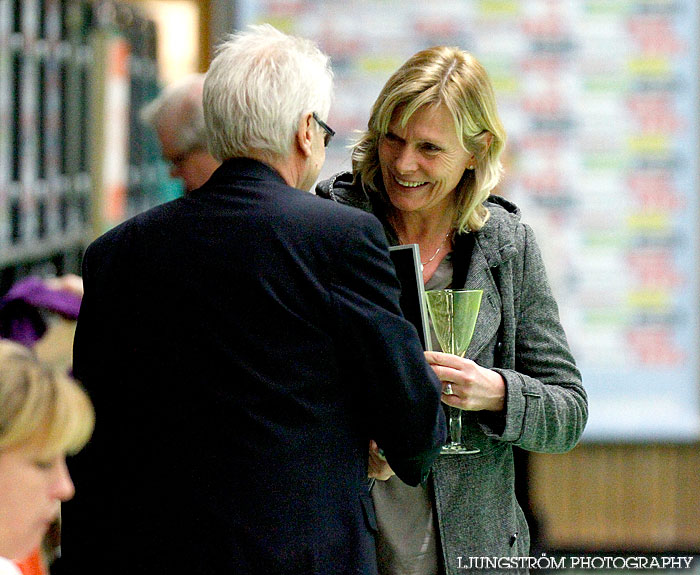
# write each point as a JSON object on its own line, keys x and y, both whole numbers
{"x": 427, "y": 167}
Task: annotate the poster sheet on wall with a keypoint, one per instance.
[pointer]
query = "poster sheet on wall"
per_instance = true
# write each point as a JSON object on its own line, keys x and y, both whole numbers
{"x": 600, "y": 102}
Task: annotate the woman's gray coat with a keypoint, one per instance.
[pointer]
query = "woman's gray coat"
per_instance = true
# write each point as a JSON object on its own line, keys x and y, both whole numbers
{"x": 518, "y": 334}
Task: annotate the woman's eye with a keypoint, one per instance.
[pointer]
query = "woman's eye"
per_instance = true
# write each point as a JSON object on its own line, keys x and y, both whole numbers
{"x": 431, "y": 148}
{"x": 44, "y": 465}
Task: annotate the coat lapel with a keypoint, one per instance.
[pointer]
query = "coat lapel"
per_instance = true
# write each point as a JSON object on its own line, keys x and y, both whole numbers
{"x": 489, "y": 318}
{"x": 488, "y": 253}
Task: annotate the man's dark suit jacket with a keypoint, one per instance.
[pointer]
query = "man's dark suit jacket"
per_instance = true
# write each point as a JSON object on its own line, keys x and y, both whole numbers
{"x": 242, "y": 345}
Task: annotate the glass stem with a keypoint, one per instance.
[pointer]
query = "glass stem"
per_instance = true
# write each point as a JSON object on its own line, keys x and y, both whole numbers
{"x": 455, "y": 424}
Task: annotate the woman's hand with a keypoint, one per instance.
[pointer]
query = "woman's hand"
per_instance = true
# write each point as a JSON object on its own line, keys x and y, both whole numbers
{"x": 378, "y": 467}
{"x": 474, "y": 388}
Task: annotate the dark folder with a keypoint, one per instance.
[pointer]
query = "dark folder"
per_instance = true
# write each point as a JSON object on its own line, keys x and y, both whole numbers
{"x": 409, "y": 270}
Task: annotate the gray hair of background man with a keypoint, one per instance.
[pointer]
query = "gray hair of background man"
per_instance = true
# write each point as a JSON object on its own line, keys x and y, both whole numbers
{"x": 180, "y": 102}
{"x": 258, "y": 87}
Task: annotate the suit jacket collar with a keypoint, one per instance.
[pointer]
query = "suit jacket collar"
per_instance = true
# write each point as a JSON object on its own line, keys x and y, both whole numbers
{"x": 243, "y": 168}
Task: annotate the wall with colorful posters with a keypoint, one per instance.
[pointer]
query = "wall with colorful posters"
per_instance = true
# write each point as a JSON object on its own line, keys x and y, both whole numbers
{"x": 600, "y": 100}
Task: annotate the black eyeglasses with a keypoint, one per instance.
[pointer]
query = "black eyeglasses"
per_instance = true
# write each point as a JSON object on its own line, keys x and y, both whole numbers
{"x": 330, "y": 132}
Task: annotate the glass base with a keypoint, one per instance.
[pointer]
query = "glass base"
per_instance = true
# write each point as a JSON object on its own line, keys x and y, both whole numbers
{"x": 458, "y": 449}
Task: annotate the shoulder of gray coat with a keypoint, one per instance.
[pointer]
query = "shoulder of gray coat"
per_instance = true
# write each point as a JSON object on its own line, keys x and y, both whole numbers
{"x": 502, "y": 235}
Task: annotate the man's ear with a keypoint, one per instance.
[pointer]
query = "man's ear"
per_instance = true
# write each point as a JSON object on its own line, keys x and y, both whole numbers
{"x": 304, "y": 136}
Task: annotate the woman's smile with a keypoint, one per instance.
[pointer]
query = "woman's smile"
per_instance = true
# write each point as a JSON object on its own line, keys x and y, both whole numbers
{"x": 407, "y": 184}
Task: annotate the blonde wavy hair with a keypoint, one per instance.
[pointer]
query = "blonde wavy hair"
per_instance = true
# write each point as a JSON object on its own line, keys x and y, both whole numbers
{"x": 40, "y": 406}
{"x": 451, "y": 77}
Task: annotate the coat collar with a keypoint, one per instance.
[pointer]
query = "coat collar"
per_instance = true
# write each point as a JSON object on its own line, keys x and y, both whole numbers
{"x": 496, "y": 238}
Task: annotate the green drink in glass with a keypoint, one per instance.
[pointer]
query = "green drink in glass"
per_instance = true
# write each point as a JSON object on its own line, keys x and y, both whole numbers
{"x": 454, "y": 313}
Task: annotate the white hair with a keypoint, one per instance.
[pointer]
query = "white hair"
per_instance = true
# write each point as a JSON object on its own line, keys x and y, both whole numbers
{"x": 180, "y": 105}
{"x": 258, "y": 87}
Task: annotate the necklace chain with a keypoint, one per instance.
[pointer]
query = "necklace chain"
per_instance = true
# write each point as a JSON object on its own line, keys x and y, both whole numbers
{"x": 442, "y": 244}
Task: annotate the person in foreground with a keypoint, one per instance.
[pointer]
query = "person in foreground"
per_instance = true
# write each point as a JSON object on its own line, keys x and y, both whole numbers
{"x": 44, "y": 415}
{"x": 243, "y": 345}
{"x": 177, "y": 116}
{"x": 426, "y": 166}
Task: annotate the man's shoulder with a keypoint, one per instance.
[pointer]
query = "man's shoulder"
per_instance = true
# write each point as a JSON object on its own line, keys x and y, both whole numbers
{"x": 330, "y": 222}
{"x": 131, "y": 226}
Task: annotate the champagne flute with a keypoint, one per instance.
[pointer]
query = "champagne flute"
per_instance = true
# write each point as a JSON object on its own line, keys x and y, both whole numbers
{"x": 454, "y": 314}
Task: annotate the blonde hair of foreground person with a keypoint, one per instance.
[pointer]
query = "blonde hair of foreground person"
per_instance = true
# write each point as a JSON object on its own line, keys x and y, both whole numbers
{"x": 44, "y": 416}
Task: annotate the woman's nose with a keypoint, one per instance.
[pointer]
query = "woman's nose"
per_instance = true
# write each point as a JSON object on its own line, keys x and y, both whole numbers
{"x": 405, "y": 161}
{"x": 62, "y": 486}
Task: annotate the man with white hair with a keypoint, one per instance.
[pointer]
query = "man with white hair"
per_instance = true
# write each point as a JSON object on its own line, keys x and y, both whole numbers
{"x": 243, "y": 345}
{"x": 177, "y": 116}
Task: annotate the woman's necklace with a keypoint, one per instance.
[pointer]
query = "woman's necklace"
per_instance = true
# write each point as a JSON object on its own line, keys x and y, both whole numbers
{"x": 442, "y": 244}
